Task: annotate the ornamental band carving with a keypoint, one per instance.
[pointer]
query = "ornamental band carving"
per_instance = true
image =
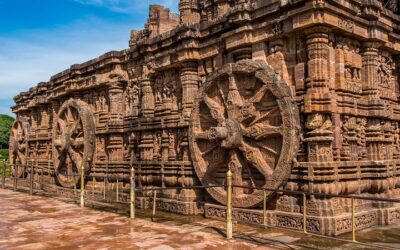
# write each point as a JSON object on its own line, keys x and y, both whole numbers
{"x": 298, "y": 95}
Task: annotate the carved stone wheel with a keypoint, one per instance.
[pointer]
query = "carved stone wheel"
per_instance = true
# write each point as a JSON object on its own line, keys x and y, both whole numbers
{"x": 244, "y": 120}
{"x": 19, "y": 146}
{"x": 73, "y": 141}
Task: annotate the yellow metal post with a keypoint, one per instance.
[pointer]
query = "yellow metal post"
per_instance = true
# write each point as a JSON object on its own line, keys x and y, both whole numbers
{"x": 104, "y": 188}
{"x": 265, "y": 208}
{"x": 154, "y": 203}
{"x": 229, "y": 205}
{"x": 31, "y": 179}
{"x": 74, "y": 186}
{"x": 132, "y": 192}
{"x": 93, "y": 187}
{"x": 117, "y": 189}
{"x": 353, "y": 220}
{"x": 304, "y": 213}
{"x": 83, "y": 185}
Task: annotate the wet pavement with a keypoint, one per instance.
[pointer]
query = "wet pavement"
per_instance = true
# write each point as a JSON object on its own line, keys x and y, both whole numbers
{"x": 37, "y": 222}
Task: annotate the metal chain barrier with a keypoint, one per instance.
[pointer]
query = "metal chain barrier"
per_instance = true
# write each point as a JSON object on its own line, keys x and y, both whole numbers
{"x": 129, "y": 195}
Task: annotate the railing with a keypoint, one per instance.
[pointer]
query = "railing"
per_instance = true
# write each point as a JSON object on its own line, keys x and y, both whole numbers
{"x": 8, "y": 173}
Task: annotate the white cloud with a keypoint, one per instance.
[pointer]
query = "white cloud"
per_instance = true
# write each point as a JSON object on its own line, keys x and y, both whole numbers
{"x": 28, "y": 57}
{"x": 34, "y": 56}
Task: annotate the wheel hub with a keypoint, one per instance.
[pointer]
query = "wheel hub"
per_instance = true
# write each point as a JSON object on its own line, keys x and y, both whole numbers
{"x": 230, "y": 134}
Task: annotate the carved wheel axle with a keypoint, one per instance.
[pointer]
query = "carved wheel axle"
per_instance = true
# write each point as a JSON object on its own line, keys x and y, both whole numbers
{"x": 244, "y": 120}
{"x": 73, "y": 142}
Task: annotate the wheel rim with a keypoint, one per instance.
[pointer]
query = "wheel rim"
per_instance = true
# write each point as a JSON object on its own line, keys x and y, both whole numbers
{"x": 18, "y": 146}
{"x": 73, "y": 142}
{"x": 244, "y": 120}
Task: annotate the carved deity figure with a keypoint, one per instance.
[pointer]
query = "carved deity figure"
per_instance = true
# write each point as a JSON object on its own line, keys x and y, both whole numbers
{"x": 132, "y": 95}
{"x": 318, "y": 122}
{"x": 157, "y": 146}
{"x": 158, "y": 89}
{"x": 171, "y": 147}
{"x": 384, "y": 71}
{"x": 101, "y": 103}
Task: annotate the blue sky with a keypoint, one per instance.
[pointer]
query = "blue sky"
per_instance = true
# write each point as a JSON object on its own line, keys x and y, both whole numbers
{"x": 39, "y": 38}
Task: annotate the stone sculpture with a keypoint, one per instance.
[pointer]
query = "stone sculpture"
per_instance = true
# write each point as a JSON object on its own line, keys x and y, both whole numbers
{"x": 295, "y": 95}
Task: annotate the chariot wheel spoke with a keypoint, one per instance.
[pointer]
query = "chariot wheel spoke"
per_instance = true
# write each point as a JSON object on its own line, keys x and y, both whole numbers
{"x": 234, "y": 97}
{"x": 257, "y": 97}
{"x": 216, "y": 109}
{"x": 255, "y": 157}
{"x": 263, "y": 116}
{"x": 261, "y": 130}
{"x": 78, "y": 142}
{"x": 236, "y": 167}
{"x": 210, "y": 150}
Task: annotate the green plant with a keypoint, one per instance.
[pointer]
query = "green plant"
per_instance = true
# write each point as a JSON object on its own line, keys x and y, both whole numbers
{"x": 5, "y": 128}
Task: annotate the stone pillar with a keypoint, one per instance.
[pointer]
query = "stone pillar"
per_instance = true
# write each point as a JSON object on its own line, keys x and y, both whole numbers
{"x": 147, "y": 98}
{"x": 318, "y": 97}
{"x": 317, "y": 50}
{"x": 370, "y": 63}
{"x": 190, "y": 12}
{"x": 189, "y": 79}
{"x": 242, "y": 54}
{"x": 115, "y": 92}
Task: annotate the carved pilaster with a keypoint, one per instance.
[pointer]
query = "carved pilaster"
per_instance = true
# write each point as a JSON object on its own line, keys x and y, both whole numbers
{"x": 190, "y": 12}
{"x": 116, "y": 95}
{"x": 146, "y": 147}
{"x": 189, "y": 79}
{"x": 318, "y": 97}
{"x": 370, "y": 62}
{"x": 317, "y": 50}
{"x": 242, "y": 54}
{"x": 147, "y": 98}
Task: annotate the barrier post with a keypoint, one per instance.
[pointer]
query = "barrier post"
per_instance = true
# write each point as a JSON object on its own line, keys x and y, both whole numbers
{"x": 304, "y": 213}
{"x": 104, "y": 188}
{"x": 73, "y": 175}
{"x": 23, "y": 170}
{"x": 265, "y": 208}
{"x": 353, "y": 220}
{"x": 82, "y": 185}
{"x": 31, "y": 179}
{"x": 3, "y": 177}
{"x": 229, "y": 205}
{"x": 117, "y": 189}
{"x": 132, "y": 192}
{"x": 15, "y": 174}
{"x": 154, "y": 203}
{"x": 93, "y": 187}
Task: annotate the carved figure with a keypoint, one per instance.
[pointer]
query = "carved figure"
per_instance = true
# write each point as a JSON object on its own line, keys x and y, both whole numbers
{"x": 281, "y": 97}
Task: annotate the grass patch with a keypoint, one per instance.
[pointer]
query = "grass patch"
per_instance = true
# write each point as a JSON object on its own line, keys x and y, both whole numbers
{"x": 4, "y": 156}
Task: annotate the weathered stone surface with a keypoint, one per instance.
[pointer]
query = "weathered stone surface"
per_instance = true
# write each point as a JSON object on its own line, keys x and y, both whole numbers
{"x": 300, "y": 94}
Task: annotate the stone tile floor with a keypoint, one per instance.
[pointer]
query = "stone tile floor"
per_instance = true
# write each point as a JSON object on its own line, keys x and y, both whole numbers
{"x": 37, "y": 222}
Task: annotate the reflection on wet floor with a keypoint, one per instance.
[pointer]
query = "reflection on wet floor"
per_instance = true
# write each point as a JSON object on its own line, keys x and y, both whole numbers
{"x": 36, "y": 222}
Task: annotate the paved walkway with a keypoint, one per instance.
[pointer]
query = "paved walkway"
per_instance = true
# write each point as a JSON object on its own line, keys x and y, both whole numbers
{"x": 35, "y": 222}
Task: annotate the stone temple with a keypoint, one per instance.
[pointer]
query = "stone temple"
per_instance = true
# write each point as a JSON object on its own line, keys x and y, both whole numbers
{"x": 300, "y": 95}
